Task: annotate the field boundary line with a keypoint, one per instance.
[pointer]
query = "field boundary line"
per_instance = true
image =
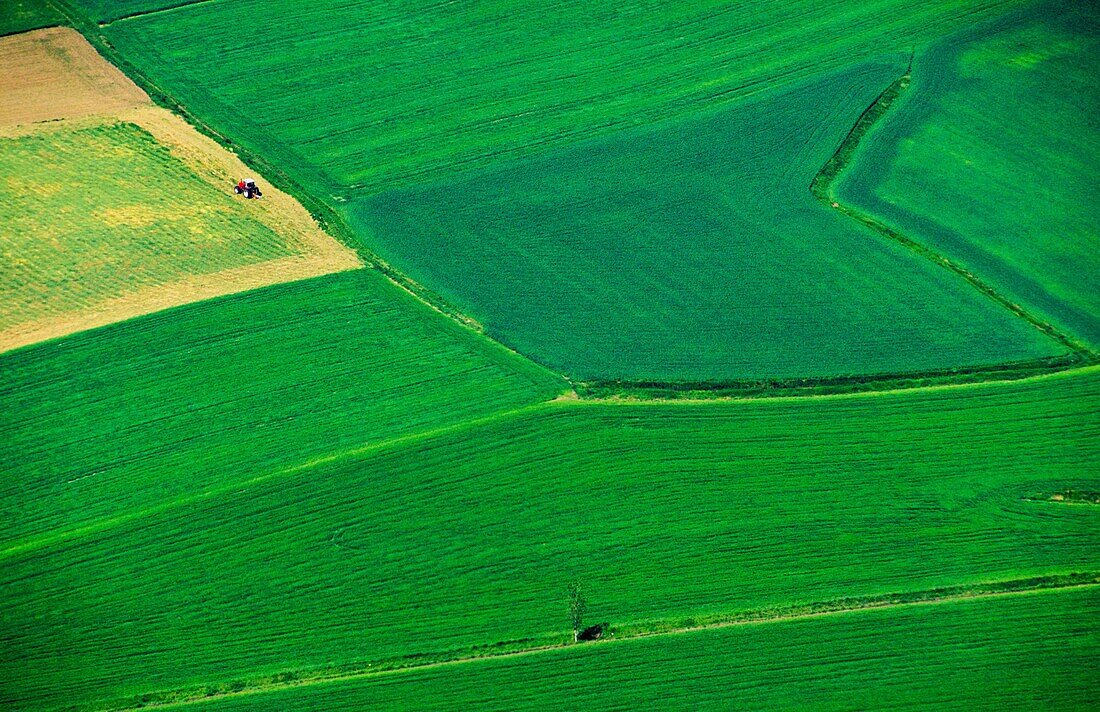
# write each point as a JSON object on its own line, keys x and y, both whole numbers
{"x": 324, "y": 214}
{"x": 34, "y": 543}
{"x": 161, "y": 10}
{"x": 172, "y": 699}
{"x": 883, "y": 388}
{"x": 822, "y": 187}
{"x": 813, "y": 387}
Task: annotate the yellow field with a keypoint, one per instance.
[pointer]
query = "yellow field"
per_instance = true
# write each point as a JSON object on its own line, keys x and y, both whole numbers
{"x": 114, "y": 207}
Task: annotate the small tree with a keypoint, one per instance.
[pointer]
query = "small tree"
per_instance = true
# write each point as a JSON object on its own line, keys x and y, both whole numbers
{"x": 577, "y": 607}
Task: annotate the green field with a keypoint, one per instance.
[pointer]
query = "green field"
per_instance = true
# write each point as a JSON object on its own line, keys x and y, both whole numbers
{"x": 327, "y": 495}
{"x": 93, "y": 212}
{"x": 360, "y": 96}
{"x": 23, "y": 15}
{"x": 468, "y": 537}
{"x": 967, "y": 655}
{"x": 693, "y": 251}
{"x": 685, "y": 250}
{"x": 992, "y": 160}
{"x": 232, "y": 389}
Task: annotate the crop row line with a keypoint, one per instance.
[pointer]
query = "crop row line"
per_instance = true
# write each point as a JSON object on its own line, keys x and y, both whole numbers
{"x": 181, "y": 697}
{"x": 158, "y": 11}
{"x": 808, "y": 387}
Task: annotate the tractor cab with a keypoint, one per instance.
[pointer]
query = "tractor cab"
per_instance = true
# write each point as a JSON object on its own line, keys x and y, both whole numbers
{"x": 247, "y": 188}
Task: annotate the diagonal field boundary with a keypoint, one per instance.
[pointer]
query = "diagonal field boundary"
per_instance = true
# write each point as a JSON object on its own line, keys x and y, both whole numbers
{"x": 172, "y": 699}
{"x": 1079, "y": 355}
{"x": 822, "y": 188}
{"x": 38, "y": 542}
{"x": 158, "y": 11}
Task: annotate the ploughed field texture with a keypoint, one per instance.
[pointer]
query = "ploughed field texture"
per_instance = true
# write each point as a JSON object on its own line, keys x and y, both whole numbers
{"x": 191, "y": 400}
{"x": 353, "y": 97}
{"x": 693, "y": 250}
{"x": 94, "y": 212}
{"x": 1016, "y": 653}
{"x": 992, "y": 160}
{"x": 461, "y": 538}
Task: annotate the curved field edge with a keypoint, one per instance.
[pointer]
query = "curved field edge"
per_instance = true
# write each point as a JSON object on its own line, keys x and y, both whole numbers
{"x": 999, "y": 114}
{"x": 692, "y": 248}
{"x": 823, "y": 187}
{"x": 366, "y": 671}
{"x": 466, "y": 538}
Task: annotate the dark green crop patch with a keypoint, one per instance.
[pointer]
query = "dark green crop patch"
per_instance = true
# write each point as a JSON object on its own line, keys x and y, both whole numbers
{"x": 695, "y": 250}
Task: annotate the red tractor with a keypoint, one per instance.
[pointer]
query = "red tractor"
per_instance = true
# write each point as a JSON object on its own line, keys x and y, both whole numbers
{"x": 247, "y": 188}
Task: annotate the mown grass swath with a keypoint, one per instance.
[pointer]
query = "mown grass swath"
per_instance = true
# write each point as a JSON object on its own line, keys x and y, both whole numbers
{"x": 358, "y": 96}
{"x": 991, "y": 159}
{"x": 449, "y": 542}
{"x": 963, "y": 655}
{"x": 129, "y": 416}
{"x": 93, "y": 212}
{"x": 694, "y": 251}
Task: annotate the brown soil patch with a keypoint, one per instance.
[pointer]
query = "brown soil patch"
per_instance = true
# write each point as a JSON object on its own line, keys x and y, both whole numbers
{"x": 55, "y": 74}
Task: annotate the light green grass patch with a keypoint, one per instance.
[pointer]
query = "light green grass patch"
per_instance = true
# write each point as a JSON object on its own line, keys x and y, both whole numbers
{"x": 94, "y": 212}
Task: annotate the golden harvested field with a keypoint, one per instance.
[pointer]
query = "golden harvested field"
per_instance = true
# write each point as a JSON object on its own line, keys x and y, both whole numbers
{"x": 115, "y": 207}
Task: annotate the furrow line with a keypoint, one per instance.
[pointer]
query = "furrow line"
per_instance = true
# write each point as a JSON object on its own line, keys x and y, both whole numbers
{"x": 158, "y": 11}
